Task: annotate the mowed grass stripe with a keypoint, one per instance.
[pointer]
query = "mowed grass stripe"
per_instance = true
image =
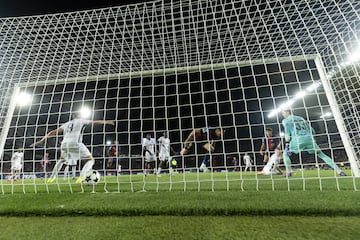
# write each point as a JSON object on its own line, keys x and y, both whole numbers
{"x": 186, "y": 227}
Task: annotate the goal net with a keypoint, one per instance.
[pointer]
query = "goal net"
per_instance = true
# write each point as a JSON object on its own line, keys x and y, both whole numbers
{"x": 222, "y": 70}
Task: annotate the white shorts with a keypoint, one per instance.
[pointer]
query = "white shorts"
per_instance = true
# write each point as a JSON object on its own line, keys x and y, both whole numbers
{"x": 149, "y": 157}
{"x": 164, "y": 156}
{"x": 71, "y": 162}
{"x": 16, "y": 166}
{"x": 74, "y": 151}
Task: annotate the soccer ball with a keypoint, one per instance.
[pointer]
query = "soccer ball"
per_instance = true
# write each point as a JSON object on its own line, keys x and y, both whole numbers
{"x": 92, "y": 177}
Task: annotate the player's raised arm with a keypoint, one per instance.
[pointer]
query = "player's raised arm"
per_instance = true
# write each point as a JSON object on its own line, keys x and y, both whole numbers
{"x": 191, "y": 136}
{"x": 49, "y": 135}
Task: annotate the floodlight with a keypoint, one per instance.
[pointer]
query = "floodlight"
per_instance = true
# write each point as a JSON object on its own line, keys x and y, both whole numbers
{"x": 85, "y": 112}
{"x": 355, "y": 56}
{"x": 23, "y": 99}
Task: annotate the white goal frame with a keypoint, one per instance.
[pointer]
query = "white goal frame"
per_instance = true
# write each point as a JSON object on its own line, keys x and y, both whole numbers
{"x": 158, "y": 72}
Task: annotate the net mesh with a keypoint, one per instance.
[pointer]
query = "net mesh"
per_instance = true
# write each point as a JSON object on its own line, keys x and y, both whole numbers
{"x": 177, "y": 66}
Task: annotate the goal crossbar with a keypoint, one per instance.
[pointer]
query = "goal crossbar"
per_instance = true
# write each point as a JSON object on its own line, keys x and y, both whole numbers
{"x": 169, "y": 71}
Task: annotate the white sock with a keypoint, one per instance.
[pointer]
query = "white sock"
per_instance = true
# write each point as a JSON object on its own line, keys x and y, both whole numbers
{"x": 88, "y": 166}
{"x": 66, "y": 171}
{"x": 159, "y": 171}
{"x": 57, "y": 167}
{"x": 73, "y": 169}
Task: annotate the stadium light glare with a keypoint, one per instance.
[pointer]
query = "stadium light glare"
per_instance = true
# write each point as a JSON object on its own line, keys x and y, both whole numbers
{"x": 108, "y": 142}
{"x": 355, "y": 56}
{"x": 300, "y": 94}
{"x": 287, "y": 104}
{"x": 273, "y": 113}
{"x": 326, "y": 115}
{"x": 23, "y": 99}
{"x": 283, "y": 106}
{"x": 313, "y": 86}
{"x": 85, "y": 112}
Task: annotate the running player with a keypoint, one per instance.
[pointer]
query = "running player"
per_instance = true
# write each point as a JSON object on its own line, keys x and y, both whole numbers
{"x": 164, "y": 152}
{"x": 113, "y": 154}
{"x": 209, "y": 135}
{"x": 17, "y": 163}
{"x": 148, "y": 145}
{"x": 248, "y": 162}
{"x": 72, "y": 146}
{"x": 299, "y": 137}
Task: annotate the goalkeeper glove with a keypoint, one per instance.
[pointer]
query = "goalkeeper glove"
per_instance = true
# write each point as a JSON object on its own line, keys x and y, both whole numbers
{"x": 287, "y": 149}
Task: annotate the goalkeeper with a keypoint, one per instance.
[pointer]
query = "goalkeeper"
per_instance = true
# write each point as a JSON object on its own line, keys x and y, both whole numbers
{"x": 209, "y": 134}
{"x": 299, "y": 137}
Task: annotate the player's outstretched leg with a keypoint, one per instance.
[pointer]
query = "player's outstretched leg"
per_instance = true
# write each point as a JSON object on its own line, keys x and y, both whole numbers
{"x": 55, "y": 171}
{"x": 88, "y": 166}
{"x": 204, "y": 163}
{"x": 287, "y": 163}
{"x": 330, "y": 162}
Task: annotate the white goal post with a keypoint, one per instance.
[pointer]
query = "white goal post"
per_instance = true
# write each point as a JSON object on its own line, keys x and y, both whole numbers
{"x": 353, "y": 159}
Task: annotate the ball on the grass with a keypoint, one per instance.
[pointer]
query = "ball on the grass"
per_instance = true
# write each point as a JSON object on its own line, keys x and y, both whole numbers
{"x": 92, "y": 177}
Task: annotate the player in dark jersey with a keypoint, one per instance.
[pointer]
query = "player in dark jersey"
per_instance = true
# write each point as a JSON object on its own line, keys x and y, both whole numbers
{"x": 205, "y": 136}
{"x": 113, "y": 154}
{"x": 268, "y": 145}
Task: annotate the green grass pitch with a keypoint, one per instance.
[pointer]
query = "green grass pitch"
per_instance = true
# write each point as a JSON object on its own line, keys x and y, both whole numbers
{"x": 188, "y": 206}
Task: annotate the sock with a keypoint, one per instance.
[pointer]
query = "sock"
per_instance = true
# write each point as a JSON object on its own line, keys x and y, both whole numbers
{"x": 73, "y": 169}
{"x": 205, "y": 159}
{"x": 66, "y": 171}
{"x": 159, "y": 171}
{"x": 287, "y": 163}
{"x": 88, "y": 166}
{"x": 329, "y": 161}
{"x": 57, "y": 167}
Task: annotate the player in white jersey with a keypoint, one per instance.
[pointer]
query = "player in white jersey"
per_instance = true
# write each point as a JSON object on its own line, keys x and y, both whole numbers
{"x": 248, "y": 162}
{"x": 164, "y": 152}
{"x": 72, "y": 146}
{"x": 17, "y": 162}
{"x": 148, "y": 145}
{"x": 272, "y": 166}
